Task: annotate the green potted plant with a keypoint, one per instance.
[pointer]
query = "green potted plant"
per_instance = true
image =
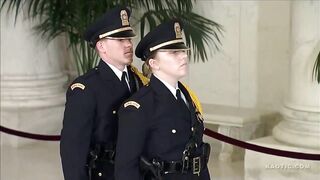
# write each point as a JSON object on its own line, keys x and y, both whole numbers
{"x": 71, "y": 17}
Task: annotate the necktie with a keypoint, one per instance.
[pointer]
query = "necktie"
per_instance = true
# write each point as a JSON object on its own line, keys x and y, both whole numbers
{"x": 179, "y": 98}
{"x": 123, "y": 80}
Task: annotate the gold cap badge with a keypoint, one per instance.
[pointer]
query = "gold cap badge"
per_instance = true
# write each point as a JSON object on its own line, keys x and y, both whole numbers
{"x": 177, "y": 30}
{"x": 124, "y": 18}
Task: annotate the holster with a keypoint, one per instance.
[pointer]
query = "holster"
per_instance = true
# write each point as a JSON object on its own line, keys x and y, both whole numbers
{"x": 151, "y": 170}
{"x": 206, "y": 149}
{"x": 100, "y": 162}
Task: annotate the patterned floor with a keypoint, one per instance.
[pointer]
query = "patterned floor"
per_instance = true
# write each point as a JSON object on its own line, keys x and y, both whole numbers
{"x": 40, "y": 160}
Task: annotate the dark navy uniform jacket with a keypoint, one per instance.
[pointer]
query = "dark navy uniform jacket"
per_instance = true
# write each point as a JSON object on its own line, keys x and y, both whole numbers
{"x": 154, "y": 125}
{"x": 90, "y": 117}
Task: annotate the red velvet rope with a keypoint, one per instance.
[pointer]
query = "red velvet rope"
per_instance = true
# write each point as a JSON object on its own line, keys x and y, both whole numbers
{"x": 266, "y": 150}
{"x": 215, "y": 135}
{"x": 30, "y": 135}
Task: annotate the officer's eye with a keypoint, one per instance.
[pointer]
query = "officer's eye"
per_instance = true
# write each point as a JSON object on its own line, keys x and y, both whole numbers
{"x": 172, "y": 52}
{"x": 176, "y": 52}
{"x": 125, "y": 40}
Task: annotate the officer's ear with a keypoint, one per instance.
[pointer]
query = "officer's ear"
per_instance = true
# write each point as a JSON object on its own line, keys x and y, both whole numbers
{"x": 100, "y": 46}
{"x": 154, "y": 64}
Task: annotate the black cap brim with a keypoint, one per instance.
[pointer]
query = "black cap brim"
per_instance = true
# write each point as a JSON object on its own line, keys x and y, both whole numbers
{"x": 171, "y": 47}
{"x": 122, "y": 35}
{"x": 178, "y": 46}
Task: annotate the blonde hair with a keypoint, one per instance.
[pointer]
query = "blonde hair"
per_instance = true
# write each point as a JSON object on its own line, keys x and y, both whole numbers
{"x": 146, "y": 68}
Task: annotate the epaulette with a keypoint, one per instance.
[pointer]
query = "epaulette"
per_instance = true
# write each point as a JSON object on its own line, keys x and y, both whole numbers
{"x": 142, "y": 92}
{"x": 90, "y": 73}
{"x": 138, "y": 98}
{"x": 80, "y": 81}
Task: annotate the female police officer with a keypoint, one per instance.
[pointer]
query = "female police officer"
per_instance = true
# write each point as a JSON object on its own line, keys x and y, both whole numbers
{"x": 160, "y": 128}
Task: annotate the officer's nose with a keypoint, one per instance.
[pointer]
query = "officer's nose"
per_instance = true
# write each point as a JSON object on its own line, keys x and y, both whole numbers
{"x": 184, "y": 56}
{"x": 128, "y": 43}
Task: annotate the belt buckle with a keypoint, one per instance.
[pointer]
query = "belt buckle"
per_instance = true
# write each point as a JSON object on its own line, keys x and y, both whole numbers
{"x": 196, "y": 165}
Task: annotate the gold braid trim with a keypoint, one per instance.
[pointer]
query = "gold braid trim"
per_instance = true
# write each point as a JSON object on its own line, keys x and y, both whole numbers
{"x": 144, "y": 80}
{"x": 194, "y": 98}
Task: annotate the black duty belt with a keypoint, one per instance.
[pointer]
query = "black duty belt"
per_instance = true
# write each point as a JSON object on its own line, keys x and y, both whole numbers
{"x": 107, "y": 155}
{"x": 194, "y": 165}
{"x": 156, "y": 168}
{"x": 101, "y": 153}
{"x": 99, "y": 159}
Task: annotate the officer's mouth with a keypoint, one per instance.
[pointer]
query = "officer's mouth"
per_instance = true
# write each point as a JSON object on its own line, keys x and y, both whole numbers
{"x": 184, "y": 64}
{"x": 130, "y": 53}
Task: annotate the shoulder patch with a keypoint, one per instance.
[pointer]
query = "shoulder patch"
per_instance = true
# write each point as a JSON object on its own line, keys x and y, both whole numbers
{"x": 132, "y": 103}
{"x": 77, "y": 85}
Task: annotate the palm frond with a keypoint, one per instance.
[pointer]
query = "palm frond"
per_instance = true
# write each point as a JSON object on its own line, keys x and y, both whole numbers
{"x": 316, "y": 69}
{"x": 13, "y": 5}
{"x": 71, "y": 17}
{"x": 200, "y": 32}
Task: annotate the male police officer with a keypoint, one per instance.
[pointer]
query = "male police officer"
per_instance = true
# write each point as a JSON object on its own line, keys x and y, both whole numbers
{"x": 90, "y": 120}
{"x": 160, "y": 126}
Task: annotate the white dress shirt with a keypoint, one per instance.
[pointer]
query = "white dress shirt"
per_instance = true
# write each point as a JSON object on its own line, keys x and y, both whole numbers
{"x": 119, "y": 73}
{"x": 173, "y": 90}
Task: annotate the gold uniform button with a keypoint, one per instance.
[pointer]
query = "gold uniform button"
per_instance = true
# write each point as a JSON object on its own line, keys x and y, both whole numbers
{"x": 114, "y": 112}
{"x": 192, "y": 129}
{"x": 173, "y": 131}
{"x": 99, "y": 174}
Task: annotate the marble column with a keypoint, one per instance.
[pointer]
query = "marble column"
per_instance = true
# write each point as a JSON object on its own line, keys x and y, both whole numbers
{"x": 32, "y": 80}
{"x": 301, "y": 112}
{"x": 299, "y": 129}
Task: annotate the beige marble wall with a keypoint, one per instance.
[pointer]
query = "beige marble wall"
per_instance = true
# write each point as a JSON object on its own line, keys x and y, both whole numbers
{"x": 32, "y": 80}
{"x": 251, "y": 70}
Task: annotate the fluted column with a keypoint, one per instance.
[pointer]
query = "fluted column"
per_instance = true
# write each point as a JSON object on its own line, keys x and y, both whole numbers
{"x": 32, "y": 79}
{"x": 301, "y": 112}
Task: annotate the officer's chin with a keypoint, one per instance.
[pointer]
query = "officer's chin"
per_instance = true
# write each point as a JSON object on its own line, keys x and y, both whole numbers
{"x": 182, "y": 74}
{"x": 184, "y": 70}
{"x": 129, "y": 60}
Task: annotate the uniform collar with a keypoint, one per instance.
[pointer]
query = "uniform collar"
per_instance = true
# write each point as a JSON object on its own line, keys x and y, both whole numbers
{"x": 107, "y": 73}
{"x": 161, "y": 89}
{"x": 117, "y": 71}
{"x": 171, "y": 88}
{"x": 158, "y": 86}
